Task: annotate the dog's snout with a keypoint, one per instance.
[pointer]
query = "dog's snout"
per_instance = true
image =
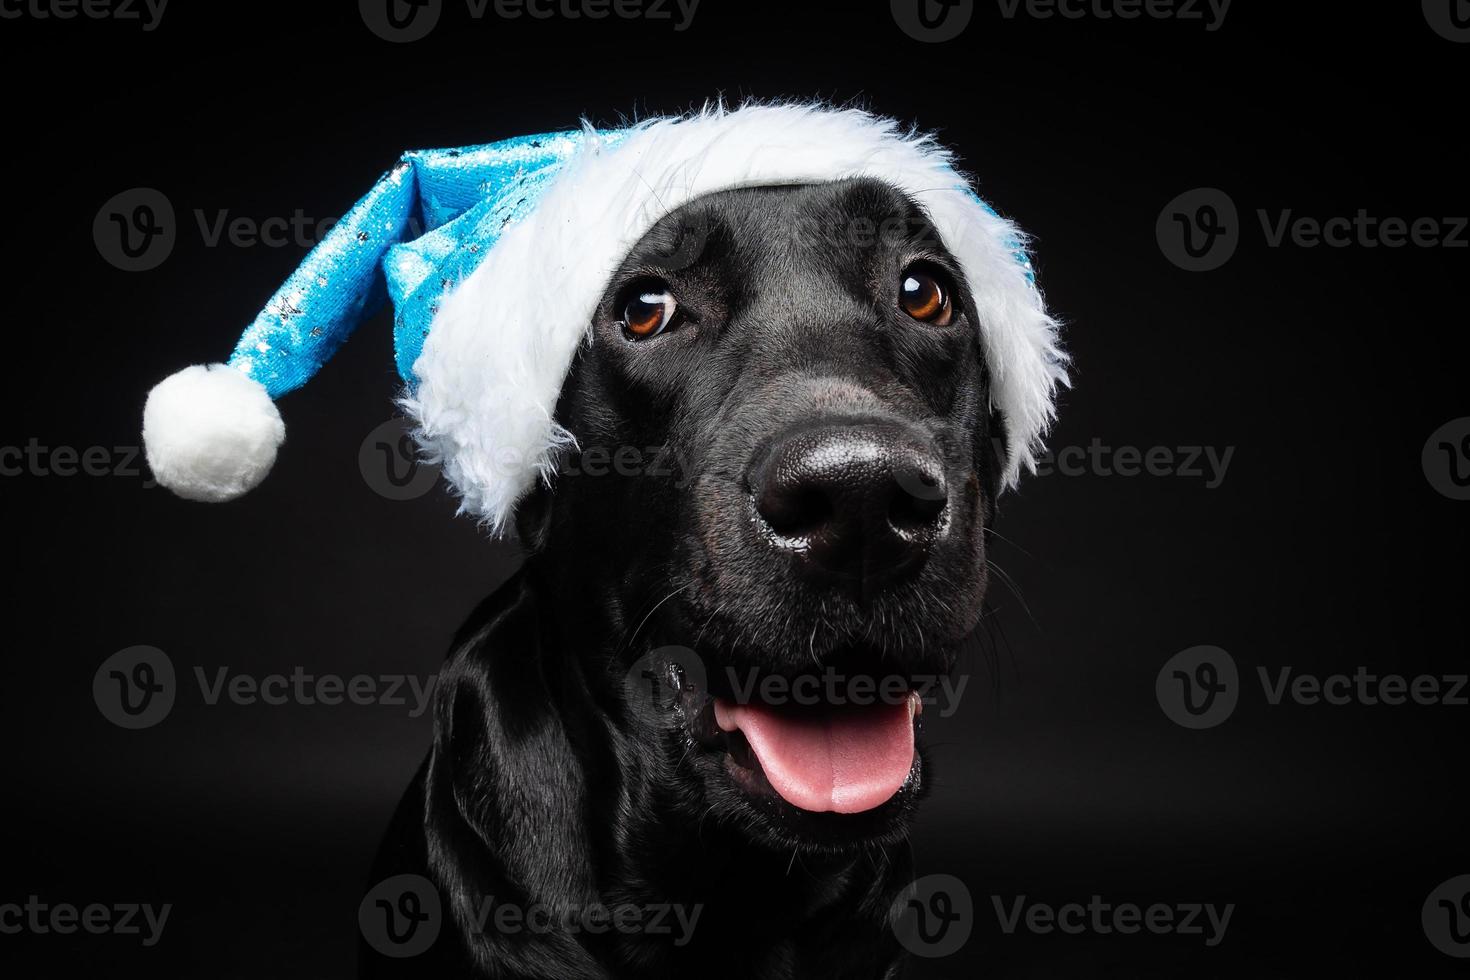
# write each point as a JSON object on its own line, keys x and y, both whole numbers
{"x": 857, "y": 505}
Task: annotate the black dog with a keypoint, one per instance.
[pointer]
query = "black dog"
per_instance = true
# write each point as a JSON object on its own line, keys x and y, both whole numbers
{"x": 601, "y": 802}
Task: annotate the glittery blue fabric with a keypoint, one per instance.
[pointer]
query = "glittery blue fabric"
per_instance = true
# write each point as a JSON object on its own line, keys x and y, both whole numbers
{"x": 424, "y": 226}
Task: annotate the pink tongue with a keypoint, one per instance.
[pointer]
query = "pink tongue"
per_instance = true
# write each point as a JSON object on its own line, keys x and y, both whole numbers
{"x": 845, "y": 760}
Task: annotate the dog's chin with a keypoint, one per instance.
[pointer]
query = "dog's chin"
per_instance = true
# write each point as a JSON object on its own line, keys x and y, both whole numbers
{"x": 817, "y": 777}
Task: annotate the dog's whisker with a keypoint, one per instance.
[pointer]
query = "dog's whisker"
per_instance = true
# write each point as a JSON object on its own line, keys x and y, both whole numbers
{"x": 1012, "y": 587}
{"x": 699, "y": 827}
{"x": 994, "y": 631}
{"x": 643, "y": 622}
{"x": 707, "y": 620}
{"x": 1001, "y": 537}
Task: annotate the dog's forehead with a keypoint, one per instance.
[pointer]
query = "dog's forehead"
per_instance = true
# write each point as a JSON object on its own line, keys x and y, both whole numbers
{"x": 836, "y": 218}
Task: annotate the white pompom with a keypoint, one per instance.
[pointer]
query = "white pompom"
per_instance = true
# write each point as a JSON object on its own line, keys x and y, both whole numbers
{"x": 210, "y": 432}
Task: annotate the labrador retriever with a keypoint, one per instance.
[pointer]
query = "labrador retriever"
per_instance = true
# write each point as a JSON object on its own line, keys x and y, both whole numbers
{"x": 684, "y": 740}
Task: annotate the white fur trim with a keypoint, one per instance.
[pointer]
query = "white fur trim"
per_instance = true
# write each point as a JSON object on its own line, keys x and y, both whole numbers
{"x": 503, "y": 341}
{"x": 210, "y": 432}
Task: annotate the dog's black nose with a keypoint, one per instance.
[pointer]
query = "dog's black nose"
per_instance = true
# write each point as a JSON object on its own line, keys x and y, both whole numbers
{"x": 857, "y": 506}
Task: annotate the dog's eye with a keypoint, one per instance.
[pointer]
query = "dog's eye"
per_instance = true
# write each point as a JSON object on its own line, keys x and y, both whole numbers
{"x": 924, "y": 296}
{"x": 650, "y": 313}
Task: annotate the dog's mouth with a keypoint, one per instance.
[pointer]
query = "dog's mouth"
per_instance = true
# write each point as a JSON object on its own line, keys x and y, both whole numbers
{"x": 838, "y": 756}
{"x": 822, "y": 758}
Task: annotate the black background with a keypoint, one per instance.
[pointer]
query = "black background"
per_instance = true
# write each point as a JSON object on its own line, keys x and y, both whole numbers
{"x": 1324, "y": 548}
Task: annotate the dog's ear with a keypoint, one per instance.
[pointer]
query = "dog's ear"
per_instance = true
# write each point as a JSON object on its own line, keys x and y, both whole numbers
{"x": 533, "y": 518}
{"x": 502, "y": 753}
{"x": 992, "y": 452}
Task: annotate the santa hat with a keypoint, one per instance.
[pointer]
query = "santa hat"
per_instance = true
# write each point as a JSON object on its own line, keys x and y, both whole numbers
{"x": 516, "y": 242}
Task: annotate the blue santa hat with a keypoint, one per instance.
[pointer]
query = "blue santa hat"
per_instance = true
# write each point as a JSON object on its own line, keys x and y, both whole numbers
{"x": 495, "y": 257}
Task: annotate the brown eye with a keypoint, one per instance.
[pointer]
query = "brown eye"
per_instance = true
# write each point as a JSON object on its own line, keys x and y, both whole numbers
{"x": 649, "y": 313}
{"x": 925, "y": 297}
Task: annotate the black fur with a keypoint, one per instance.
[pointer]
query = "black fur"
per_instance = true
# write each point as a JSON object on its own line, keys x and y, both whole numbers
{"x": 546, "y": 785}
